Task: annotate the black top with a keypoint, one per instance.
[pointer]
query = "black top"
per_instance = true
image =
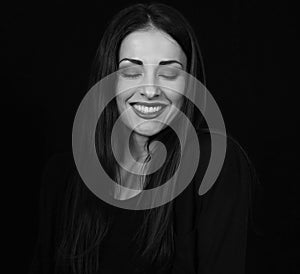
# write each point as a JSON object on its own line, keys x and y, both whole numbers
{"x": 210, "y": 230}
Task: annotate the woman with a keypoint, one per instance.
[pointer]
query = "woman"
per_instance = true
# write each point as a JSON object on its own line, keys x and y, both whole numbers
{"x": 80, "y": 233}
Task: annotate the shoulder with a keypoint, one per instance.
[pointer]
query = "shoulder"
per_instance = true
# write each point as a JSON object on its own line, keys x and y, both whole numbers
{"x": 235, "y": 175}
{"x": 234, "y": 180}
{"x": 236, "y": 159}
{"x": 228, "y": 198}
{"x": 233, "y": 147}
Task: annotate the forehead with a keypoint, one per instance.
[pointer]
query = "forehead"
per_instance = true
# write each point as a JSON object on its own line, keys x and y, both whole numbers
{"x": 151, "y": 47}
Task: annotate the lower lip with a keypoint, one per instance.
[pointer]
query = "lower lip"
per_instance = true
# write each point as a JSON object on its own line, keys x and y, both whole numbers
{"x": 149, "y": 115}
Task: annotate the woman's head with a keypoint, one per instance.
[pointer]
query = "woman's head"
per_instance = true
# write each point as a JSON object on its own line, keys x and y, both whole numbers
{"x": 150, "y": 82}
{"x": 148, "y": 34}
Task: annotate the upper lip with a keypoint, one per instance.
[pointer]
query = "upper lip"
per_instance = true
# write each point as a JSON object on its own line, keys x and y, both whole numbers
{"x": 148, "y": 104}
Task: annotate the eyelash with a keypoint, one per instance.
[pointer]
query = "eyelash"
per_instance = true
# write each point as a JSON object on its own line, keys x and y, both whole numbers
{"x": 134, "y": 76}
{"x": 173, "y": 77}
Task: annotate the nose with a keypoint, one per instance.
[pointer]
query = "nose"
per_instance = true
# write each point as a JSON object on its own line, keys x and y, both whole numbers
{"x": 150, "y": 89}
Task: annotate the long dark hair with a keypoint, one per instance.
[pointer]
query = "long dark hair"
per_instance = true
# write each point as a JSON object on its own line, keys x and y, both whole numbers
{"x": 84, "y": 223}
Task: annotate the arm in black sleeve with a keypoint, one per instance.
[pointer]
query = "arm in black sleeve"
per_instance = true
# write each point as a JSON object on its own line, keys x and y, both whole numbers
{"x": 221, "y": 233}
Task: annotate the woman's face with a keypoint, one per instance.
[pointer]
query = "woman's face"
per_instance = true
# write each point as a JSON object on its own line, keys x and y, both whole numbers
{"x": 150, "y": 81}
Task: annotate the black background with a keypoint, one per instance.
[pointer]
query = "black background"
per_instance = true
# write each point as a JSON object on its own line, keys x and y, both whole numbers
{"x": 249, "y": 55}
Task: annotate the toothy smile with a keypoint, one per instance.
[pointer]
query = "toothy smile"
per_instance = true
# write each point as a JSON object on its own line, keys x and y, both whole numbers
{"x": 148, "y": 110}
{"x": 145, "y": 109}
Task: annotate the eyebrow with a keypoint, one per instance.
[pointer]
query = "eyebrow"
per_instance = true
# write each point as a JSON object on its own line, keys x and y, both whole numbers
{"x": 139, "y": 62}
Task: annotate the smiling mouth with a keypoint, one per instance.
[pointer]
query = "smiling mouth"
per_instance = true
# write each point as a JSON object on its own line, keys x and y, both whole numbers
{"x": 148, "y": 111}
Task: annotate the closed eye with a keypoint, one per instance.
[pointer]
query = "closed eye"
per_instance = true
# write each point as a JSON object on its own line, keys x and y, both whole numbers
{"x": 131, "y": 76}
{"x": 168, "y": 73}
{"x": 169, "y": 77}
{"x": 130, "y": 72}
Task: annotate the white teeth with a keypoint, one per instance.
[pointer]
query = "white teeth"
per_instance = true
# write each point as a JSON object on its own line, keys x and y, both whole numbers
{"x": 145, "y": 109}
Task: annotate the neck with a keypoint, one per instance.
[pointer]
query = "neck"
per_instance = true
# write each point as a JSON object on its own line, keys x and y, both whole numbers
{"x": 138, "y": 146}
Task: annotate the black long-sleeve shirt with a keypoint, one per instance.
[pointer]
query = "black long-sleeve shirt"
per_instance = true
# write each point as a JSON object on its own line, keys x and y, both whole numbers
{"x": 210, "y": 230}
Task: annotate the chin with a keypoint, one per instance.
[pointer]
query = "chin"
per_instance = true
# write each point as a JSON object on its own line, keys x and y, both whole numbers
{"x": 149, "y": 130}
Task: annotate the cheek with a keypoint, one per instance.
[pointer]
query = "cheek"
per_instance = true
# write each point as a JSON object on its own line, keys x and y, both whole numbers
{"x": 121, "y": 96}
{"x": 124, "y": 90}
{"x": 174, "y": 97}
{"x": 178, "y": 96}
{"x": 125, "y": 87}
{"x": 174, "y": 90}
{"x": 177, "y": 101}
{"x": 121, "y": 103}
